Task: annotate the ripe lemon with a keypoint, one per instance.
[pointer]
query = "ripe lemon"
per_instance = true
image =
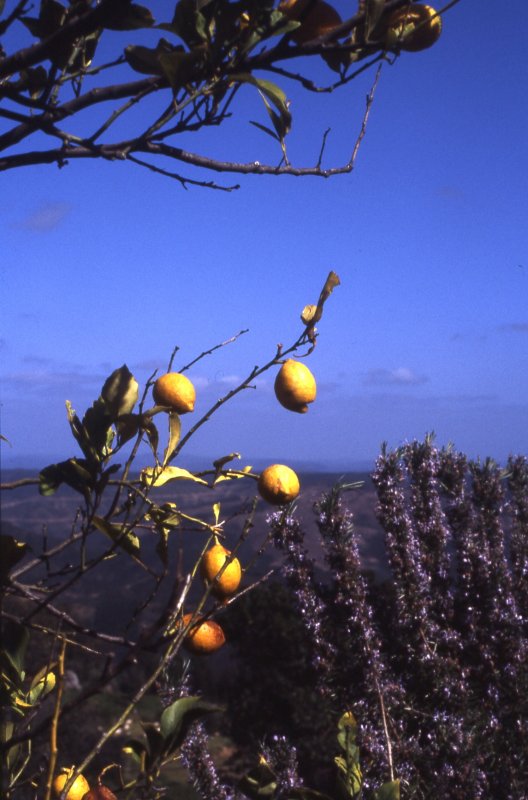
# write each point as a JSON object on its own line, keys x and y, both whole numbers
{"x": 212, "y": 562}
{"x": 78, "y": 788}
{"x": 278, "y": 484}
{"x": 204, "y": 637}
{"x": 175, "y": 391}
{"x": 413, "y": 27}
{"x": 315, "y": 21}
{"x": 295, "y": 386}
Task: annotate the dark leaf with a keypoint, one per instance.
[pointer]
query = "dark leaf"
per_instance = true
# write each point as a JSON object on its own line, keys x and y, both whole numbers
{"x": 188, "y": 23}
{"x": 15, "y": 638}
{"x": 260, "y": 782}
{"x": 74, "y": 473}
{"x": 155, "y": 743}
{"x": 373, "y": 12}
{"x": 11, "y": 552}
{"x": 120, "y": 392}
{"x": 143, "y": 59}
{"x": 271, "y": 133}
{"x": 96, "y": 429}
{"x": 135, "y": 749}
{"x": 128, "y": 17}
{"x": 128, "y": 426}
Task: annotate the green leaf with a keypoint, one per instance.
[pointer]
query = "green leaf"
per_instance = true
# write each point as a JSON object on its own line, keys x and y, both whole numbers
{"x": 11, "y": 552}
{"x": 389, "y": 791}
{"x": 156, "y": 476}
{"x": 270, "y": 91}
{"x": 15, "y": 638}
{"x": 119, "y": 534}
{"x": 179, "y": 716}
{"x": 120, "y": 392}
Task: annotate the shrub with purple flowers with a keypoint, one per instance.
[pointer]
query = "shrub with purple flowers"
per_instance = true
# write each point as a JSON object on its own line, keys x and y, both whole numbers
{"x": 433, "y": 662}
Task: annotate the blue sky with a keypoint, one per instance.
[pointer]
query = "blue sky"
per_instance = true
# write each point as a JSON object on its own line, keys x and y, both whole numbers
{"x": 104, "y": 264}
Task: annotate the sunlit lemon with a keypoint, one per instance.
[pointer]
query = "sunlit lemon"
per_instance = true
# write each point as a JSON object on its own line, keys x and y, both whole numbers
{"x": 278, "y": 484}
{"x": 77, "y": 790}
{"x": 175, "y": 391}
{"x": 205, "y": 636}
{"x": 295, "y": 386}
{"x": 212, "y": 562}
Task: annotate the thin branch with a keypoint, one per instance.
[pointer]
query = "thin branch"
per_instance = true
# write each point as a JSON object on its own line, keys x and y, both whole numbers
{"x": 183, "y": 181}
{"x": 370, "y": 100}
{"x": 212, "y": 350}
{"x": 54, "y": 750}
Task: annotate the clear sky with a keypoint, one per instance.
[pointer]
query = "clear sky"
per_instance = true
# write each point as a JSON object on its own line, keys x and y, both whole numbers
{"x": 104, "y": 264}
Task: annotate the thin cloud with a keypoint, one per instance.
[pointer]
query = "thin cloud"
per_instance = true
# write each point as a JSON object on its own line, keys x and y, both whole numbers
{"x": 46, "y": 218}
{"x": 401, "y": 376}
{"x": 514, "y": 327}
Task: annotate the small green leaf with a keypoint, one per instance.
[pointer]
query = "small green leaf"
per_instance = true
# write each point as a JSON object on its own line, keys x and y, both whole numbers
{"x": 118, "y": 534}
{"x": 389, "y": 791}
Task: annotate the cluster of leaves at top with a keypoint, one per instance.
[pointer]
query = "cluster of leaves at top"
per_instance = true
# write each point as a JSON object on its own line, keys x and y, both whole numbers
{"x": 207, "y": 50}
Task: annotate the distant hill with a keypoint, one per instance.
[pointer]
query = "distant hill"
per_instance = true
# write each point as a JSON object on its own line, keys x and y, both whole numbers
{"x": 29, "y": 517}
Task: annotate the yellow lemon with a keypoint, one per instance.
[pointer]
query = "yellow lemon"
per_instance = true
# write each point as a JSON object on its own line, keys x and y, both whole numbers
{"x": 205, "y": 636}
{"x": 295, "y": 386}
{"x": 413, "y": 27}
{"x": 212, "y": 562}
{"x": 278, "y": 484}
{"x": 78, "y": 788}
{"x": 175, "y": 391}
